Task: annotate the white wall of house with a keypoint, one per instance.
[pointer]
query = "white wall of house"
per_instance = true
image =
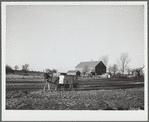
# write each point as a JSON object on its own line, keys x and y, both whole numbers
{"x": 81, "y": 69}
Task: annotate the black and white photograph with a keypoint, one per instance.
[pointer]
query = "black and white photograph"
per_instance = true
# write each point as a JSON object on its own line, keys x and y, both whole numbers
{"x": 74, "y": 61}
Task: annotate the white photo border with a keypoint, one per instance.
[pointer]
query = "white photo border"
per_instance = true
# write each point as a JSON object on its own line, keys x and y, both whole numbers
{"x": 67, "y": 115}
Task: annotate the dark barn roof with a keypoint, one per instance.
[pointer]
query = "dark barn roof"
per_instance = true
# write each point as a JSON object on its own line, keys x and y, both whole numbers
{"x": 89, "y": 64}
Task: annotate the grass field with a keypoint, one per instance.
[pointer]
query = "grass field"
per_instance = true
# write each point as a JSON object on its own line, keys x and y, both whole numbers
{"x": 12, "y": 76}
{"x": 126, "y": 99}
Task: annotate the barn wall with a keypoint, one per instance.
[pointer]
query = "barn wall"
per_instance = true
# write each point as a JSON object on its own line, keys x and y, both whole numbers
{"x": 100, "y": 69}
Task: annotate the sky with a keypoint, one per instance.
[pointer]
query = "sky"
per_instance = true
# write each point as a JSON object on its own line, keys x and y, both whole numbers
{"x": 61, "y": 36}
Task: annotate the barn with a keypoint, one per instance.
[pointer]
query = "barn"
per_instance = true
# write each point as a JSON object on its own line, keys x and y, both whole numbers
{"x": 74, "y": 72}
{"x": 97, "y": 66}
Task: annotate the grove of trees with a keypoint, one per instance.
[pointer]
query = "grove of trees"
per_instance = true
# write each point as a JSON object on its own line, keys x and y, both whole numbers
{"x": 51, "y": 71}
{"x": 9, "y": 69}
{"x": 25, "y": 68}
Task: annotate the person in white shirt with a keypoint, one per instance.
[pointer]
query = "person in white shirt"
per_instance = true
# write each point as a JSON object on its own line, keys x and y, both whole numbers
{"x": 61, "y": 79}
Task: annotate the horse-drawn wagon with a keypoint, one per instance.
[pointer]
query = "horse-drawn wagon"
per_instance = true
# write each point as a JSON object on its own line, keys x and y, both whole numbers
{"x": 61, "y": 81}
{"x": 68, "y": 82}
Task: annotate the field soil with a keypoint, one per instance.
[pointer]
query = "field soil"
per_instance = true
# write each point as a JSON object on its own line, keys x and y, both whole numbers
{"x": 118, "y": 99}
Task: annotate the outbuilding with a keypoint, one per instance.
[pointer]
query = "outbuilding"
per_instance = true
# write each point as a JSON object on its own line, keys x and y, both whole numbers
{"x": 74, "y": 72}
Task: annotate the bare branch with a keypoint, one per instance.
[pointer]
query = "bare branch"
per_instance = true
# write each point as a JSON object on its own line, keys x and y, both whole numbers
{"x": 104, "y": 59}
{"x": 85, "y": 69}
{"x": 123, "y": 62}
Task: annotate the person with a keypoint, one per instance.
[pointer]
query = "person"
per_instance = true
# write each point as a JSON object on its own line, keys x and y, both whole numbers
{"x": 47, "y": 79}
{"x": 109, "y": 75}
{"x": 61, "y": 79}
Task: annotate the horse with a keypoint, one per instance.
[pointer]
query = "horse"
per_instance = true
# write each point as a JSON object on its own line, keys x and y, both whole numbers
{"x": 54, "y": 82}
{"x": 51, "y": 80}
{"x": 47, "y": 78}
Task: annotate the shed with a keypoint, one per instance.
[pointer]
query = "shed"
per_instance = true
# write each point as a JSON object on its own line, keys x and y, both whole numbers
{"x": 74, "y": 72}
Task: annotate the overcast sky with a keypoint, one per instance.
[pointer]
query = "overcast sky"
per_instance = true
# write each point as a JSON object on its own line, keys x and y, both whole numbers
{"x": 60, "y": 37}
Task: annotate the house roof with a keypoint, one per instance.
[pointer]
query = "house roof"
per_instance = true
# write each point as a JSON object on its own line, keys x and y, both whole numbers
{"x": 89, "y": 64}
{"x": 72, "y": 71}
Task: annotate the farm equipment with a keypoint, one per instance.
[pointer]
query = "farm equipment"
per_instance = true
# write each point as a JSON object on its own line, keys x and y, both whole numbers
{"x": 69, "y": 82}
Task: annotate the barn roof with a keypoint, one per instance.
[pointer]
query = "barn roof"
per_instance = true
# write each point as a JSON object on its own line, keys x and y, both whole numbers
{"x": 72, "y": 71}
{"x": 89, "y": 64}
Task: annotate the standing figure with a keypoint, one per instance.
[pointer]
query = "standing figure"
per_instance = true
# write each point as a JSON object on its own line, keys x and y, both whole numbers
{"x": 47, "y": 79}
{"x": 55, "y": 82}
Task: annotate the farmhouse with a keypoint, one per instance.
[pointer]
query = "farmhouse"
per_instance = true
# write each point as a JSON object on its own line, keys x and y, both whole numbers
{"x": 74, "y": 72}
{"x": 97, "y": 66}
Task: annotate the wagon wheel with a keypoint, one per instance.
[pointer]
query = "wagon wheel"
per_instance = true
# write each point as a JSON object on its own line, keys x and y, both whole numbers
{"x": 66, "y": 85}
{"x": 76, "y": 86}
{"x": 67, "y": 82}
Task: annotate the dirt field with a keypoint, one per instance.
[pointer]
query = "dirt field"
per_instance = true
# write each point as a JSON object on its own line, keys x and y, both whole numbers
{"x": 126, "y": 99}
{"x": 108, "y": 94}
{"x": 83, "y": 84}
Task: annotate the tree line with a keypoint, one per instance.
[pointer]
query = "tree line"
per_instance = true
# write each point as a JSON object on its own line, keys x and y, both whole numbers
{"x": 119, "y": 68}
{"x": 9, "y": 69}
{"x": 25, "y": 69}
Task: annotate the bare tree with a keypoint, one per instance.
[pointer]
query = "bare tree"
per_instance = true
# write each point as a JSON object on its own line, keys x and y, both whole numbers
{"x": 123, "y": 62}
{"x": 114, "y": 69}
{"x": 104, "y": 59}
{"x": 129, "y": 70}
{"x": 93, "y": 70}
{"x": 110, "y": 69}
{"x": 54, "y": 71}
{"x": 16, "y": 67}
{"x": 85, "y": 69}
{"x": 25, "y": 68}
{"x": 48, "y": 71}
{"x": 138, "y": 71}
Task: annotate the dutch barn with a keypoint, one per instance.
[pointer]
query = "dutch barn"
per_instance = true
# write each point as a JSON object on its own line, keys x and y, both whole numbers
{"x": 97, "y": 66}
